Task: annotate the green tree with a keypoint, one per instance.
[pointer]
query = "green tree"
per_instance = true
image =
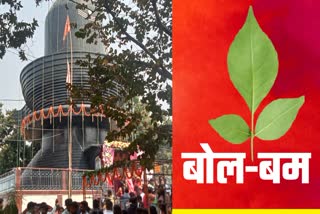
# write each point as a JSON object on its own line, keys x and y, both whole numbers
{"x": 138, "y": 35}
{"x": 14, "y": 32}
{"x": 161, "y": 147}
{"x": 13, "y": 151}
{"x": 11, "y": 207}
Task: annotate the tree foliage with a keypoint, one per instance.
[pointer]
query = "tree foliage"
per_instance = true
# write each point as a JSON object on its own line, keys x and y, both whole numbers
{"x": 13, "y": 151}
{"x": 138, "y": 61}
{"x": 14, "y": 32}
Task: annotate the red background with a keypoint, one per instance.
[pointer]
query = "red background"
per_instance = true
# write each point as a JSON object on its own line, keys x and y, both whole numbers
{"x": 203, "y": 32}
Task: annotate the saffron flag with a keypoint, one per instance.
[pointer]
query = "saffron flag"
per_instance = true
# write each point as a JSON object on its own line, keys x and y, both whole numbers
{"x": 67, "y": 28}
{"x": 68, "y": 78}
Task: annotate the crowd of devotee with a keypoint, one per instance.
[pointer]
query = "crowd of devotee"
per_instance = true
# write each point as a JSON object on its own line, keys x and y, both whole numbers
{"x": 121, "y": 202}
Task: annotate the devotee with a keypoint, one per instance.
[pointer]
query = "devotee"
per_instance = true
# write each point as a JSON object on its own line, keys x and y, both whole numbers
{"x": 133, "y": 206}
{"x": 73, "y": 208}
{"x": 117, "y": 209}
{"x": 124, "y": 199}
{"x": 84, "y": 207}
{"x": 67, "y": 203}
{"x": 1, "y": 204}
{"x": 96, "y": 206}
{"x": 109, "y": 207}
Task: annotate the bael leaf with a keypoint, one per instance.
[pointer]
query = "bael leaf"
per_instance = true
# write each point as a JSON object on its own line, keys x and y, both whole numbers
{"x": 276, "y": 119}
{"x": 252, "y": 62}
{"x": 231, "y": 127}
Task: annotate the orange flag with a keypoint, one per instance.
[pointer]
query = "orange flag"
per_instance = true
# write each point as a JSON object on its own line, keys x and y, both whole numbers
{"x": 66, "y": 28}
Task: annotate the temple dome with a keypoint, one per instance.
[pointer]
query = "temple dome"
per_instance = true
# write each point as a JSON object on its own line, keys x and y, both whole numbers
{"x": 54, "y": 29}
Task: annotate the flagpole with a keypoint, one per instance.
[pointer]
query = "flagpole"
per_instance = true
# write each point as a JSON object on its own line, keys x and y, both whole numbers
{"x": 70, "y": 121}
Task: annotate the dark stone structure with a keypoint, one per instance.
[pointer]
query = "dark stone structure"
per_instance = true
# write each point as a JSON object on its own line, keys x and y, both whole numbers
{"x": 43, "y": 83}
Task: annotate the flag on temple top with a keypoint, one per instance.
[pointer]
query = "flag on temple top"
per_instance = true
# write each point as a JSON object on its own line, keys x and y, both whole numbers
{"x": 68, "y": 79}
{"x": 67, "y": 28}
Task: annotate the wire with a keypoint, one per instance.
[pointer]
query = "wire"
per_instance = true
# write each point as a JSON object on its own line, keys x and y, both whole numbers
{"x": 31, "y": 139}
{"x": 33, "y": 123}
{"x": 52, "y": 91}
{"x": 42, "y": 104}
{"x": 18, "y": 126}
{"x": 10, "y": 51}
{"x": 44, "y": 129}
{"x": 10, "y": 100}
{"x": 18, "y": 151}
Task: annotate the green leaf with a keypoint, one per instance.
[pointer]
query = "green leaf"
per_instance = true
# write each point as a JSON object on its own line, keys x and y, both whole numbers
{"x": 231, "y": 127}
{"x": 252, "y": 62}
{"x": 276, "y": 119}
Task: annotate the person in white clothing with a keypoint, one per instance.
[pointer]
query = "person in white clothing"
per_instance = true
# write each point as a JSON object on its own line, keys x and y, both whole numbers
{"x": 124, "y": 200}
{"x": 109, "y": 207}
{"x": 67, "y": 203}
{"x": 44, "y": 208}
{"x": 141, "y": 193}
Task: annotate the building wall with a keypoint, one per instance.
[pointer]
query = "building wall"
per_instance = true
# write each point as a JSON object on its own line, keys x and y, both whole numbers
{"x": 54, "y": 151}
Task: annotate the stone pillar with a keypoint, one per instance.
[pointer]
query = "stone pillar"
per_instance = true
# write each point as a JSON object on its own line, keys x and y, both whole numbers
{"x": 64, "y": 180}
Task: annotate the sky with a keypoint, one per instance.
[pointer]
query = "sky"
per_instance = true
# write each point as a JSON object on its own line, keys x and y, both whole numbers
{"x": 11, "y": 65}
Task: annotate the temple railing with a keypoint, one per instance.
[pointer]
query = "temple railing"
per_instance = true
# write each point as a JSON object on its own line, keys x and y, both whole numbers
{"x": 7, "y": 181}
{"x": 25, "y": 178}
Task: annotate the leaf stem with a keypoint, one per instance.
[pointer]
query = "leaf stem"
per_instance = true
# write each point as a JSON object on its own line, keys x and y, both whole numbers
{"x": 253, "y": 95}
{"x": 252, "y": 136}
{"x": 251, "y": 145}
